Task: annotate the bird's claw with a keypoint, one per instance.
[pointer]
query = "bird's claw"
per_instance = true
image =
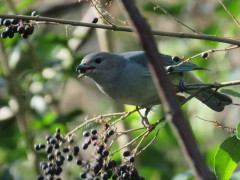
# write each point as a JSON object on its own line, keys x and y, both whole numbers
{"x": 145, "y": 122}
{"x": 182, "y": 84}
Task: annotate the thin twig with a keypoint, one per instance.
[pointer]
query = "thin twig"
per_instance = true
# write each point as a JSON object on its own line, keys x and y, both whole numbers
{"x": 124, "y": 29}
{"x": 99, "y": 12}
{"x": 131, "y": 142}
{"x": 112, "y": 115}
{"x": 212, "y": 85}
{"x": 210, "y": 51}
{"x": 232, "y": 16}
{"x": 140, "y": 142}
{"x": 217, "y": 124}
{"x": 157, "y": 6}
{"x": 154, "y": 138}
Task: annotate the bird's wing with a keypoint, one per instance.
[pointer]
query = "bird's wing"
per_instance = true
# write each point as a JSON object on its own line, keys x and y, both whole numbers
{"x": 140, "y": 58}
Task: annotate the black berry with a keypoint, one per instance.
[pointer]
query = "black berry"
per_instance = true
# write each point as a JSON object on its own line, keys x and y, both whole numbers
{"x": 86, "y": 133}
{"x": 14, "y": 21}
{"x": 169, "y": 68}
{"x": 85, "y": 146}
{"x": 204, "y": 55}
{"x": 126, "y": 153}
{"x": 95, "y": 20}
{"x": 93, "y": 131}
{"x": 21, "y": 30}
{"x": 6, "y": 22}
{"x": 111, "y": 132}
{"x": 34, "y": 13}
{"x": 175, "y": 58}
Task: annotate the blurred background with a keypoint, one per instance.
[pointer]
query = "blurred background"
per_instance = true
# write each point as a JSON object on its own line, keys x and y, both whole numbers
{"x": 39, "y": 89}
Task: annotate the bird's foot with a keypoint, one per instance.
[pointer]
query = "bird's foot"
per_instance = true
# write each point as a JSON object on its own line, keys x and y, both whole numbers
{"x": 182, "y": 84}
{"x": 145, "y": 122}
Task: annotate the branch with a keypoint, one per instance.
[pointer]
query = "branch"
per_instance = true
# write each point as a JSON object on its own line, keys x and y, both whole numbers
{"x": 207, "y": 53}
{"x": 236, "y": 21}
{"x": 124, "y": 29}
{"x": 212, "y": 85}
{"x": 157, "y": 6}
{"x": 166, "y": 93}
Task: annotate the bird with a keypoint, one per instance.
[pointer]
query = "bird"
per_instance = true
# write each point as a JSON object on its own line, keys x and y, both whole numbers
{"x": 125, "y": 77}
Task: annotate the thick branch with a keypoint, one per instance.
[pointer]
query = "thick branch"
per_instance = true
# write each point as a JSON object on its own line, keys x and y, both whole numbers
{"x": 166, "y": 93}
{"x": 124, "y": 29}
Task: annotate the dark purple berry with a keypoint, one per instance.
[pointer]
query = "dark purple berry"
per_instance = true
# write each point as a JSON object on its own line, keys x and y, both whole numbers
{"x": 50, "y": 157}
{"x": 94, "y": 138}
{"x": 24, "y": 36}
{"x": 49, "y": 149}
{"x": 11, "y": 35}
{"x": 86, "y": 133}
{"x": 21, "y": 30}
{"x": 40, "y": 177}
{"x": 47, "y": 136}
{"x": 57, "y": 136}
{"x": 34, "y": 13}
{"x": 105, "y": 153}
{"x": 100, "y": 149}
{"x": 175, "y": 58}
{"x": 110, "y": 132}
{"x": 104, "y": 176}
{"x": 6, "y": 22}
{"x": 131, "y": 159}
{"x": 52, "y": 140}
{"x": 79, "y": 162}
{"x": 37, "y": 147}
{"x": 126, "y": 153}
{"x": 169, "y": 68}
{"x": 58, "y": 153}
{"x": 83, "y": 175}
{"x": 85, "y": 146}
{"x": 9, "y": 29}
{"x": 4, "y": 34}
{"x": 29, "y": 30}
{"x": 1, "y": 21}
{"x": 93, "y": 131}
{"x": 204, "y": 55}
{"x": 58, "y": 130}
{"x": 43, "y": 165}
{"x": 95, "y": 20}
{"x": 56, "y": 146}
{"x": 69, "y": 157}
{"x": 75, "y": 150}
{"x": 88, "y": 141}
{"x": 14, "y": 29}
{"x": 65, "y": 150}
{"x": 113, "y": 163}
{"x": 14, "y": 21}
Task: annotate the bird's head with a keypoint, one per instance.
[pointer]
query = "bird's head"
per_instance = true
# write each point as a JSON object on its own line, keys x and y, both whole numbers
{"x": 100, "y": 65}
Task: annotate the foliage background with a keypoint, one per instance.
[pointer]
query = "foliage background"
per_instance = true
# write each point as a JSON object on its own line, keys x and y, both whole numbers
{"x": 42, "y": 91}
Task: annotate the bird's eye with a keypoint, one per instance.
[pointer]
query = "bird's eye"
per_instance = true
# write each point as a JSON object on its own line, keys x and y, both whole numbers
{"x": 98, "y": 60}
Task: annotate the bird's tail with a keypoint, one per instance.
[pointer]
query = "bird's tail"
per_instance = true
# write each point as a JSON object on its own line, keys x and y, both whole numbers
{"x": 215, "y": 100}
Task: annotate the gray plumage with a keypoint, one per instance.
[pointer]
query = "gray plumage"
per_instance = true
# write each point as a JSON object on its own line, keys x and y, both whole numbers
{"x": 127, "y": 79}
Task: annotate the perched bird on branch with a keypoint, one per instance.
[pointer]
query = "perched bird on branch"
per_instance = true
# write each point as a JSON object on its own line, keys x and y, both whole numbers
{"x": 126, "y": 78}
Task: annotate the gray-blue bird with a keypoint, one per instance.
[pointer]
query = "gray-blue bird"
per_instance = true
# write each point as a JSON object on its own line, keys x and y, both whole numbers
{"x": 126, "y": 78}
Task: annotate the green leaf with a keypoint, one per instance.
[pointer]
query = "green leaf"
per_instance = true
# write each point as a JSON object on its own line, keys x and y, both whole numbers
{"x": 238, "y": 131}
{"x": 230, "y": 92}
{"x": 227, "y": 158}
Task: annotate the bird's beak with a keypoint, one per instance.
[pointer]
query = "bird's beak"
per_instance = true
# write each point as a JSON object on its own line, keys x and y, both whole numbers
{"x": 83, "y": 69}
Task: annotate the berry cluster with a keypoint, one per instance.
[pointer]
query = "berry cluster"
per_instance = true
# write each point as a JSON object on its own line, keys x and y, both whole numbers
{"x": 98, "y": 167}
{"x": 13, "y": 26}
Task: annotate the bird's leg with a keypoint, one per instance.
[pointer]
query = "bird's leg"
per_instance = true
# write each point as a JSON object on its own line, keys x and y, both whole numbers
{"x": 144, "y": 119}
{"x": 182, "y": 84}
